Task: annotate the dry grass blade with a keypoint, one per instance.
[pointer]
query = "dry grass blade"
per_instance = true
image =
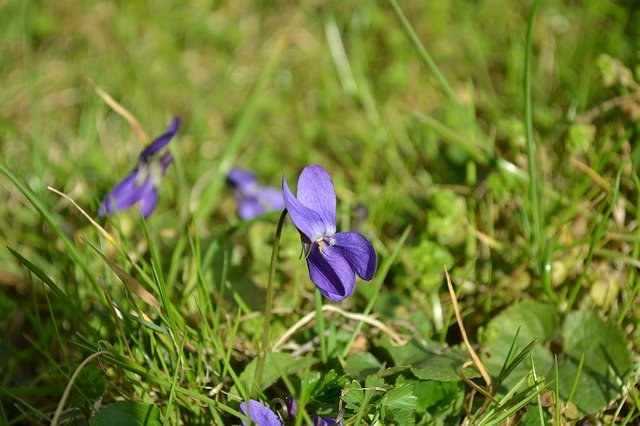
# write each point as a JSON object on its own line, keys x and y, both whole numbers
{"x": 395, "y": 337}
{"x": 131, "y": 283}
{"x": 100, "y": 229}
{"x": 476, "y": 360}
{"x": 124, "y": 113}
{"x": 67, "y": 390}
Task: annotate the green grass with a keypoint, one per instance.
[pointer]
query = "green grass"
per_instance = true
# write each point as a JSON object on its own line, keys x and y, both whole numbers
{"x": 504, "y": 150}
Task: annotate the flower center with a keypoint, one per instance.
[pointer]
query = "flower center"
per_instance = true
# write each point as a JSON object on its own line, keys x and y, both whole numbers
{"x": 331, "y": 240}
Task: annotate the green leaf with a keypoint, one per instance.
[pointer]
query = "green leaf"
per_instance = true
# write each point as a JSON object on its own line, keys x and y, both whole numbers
{"x": 127, "y": 413}
{"x": 361, "y": 365}
{"x": 606, "y": 361}
{"x": 602, "y": 343}
{"x": 431, "y": 394}
{"x": 431, "y": 362}
{"x": 437, "y": 403}
{"x": 326, "y": 387}
{"x": 353, "y": 396}
{"x": 276, "y": 365}
{"x": 532, "y": 417}
{"x": 399, "y": 405}
{"x": 89, "y": 385}
{"x": 515, "y": 328}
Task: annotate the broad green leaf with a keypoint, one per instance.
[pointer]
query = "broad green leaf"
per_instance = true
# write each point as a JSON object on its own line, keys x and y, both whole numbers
{"x": 532, "y": 417}
{"x": 89, "y": 385}
{"x": 374, "y": 381}
{"x": 361, "y": 365}
{"x": 438, "y": 403}
{"x": 353, "y": 396}
{"x": 432, "y": 395}
{"x": 431, "y": 362}
{"x": 514, "y": 329}
{"x": 399, "y": 405}
{"x": 127, "y": 413}
{"x": 326, "y": 387}
{"x": 276, "y": 365}
{"x": 606, "y": 361}
{"x": 602, "y": 343}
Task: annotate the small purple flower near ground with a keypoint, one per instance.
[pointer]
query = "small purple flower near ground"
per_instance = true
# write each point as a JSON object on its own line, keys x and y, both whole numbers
{"x": 141, "y": 185}
{"x": 292, "y": 408}
{"x": 262, "y": 415}
{"x": 253, "y": 200}
{"x": 259, "y": 414}
{"x": 334, "y": 258}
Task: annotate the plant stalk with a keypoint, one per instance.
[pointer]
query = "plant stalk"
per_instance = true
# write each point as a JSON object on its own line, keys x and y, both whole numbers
{"x": 268, "y": 305}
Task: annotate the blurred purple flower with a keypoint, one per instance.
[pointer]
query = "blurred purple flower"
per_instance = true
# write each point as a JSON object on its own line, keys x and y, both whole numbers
{"x": 259, "y": 413}
{"x": 262, "y": 415}
{"x": 253, "y": 200}
{"x": 292, "y": 408}
{"x": 325, "y": 421}
{"x": 141, "y": 185}
{"x": 334, "y": 258}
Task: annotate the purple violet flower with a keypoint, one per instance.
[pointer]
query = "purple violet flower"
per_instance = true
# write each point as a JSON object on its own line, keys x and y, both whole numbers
{"x": 253, "y": 200}
{"x": 334, "y": 258}
{"x": 141, "y": 185}
{"x": 262, "y": 415}
{"x": 292, "y": 409}
{"x": 259, "y": 413}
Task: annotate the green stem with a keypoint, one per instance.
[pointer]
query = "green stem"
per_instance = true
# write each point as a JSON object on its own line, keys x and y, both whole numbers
{"x": 534, "y": 191}
{"x": 320, "y": 325}
{"x": 424, "y": 55}
{"x": 267, "y": 309}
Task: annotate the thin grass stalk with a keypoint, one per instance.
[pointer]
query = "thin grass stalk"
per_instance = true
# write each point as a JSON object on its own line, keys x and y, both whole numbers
{"x": 424, "y": 54}
{"x": 320, "y": 326}
{"x": 67, "y": 391}
{"x": 538, "y": 397}
{"x": 574, "y": 385}
{"x": 268, "y": 305}
{"x": 31, "y": 74}
{"x": 174, "y": 382}
{"x": 534, "y": 191}
{"x": 207, "y": 200}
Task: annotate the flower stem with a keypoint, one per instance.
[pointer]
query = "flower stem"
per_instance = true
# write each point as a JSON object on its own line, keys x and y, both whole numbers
{"x": 320, "y": 326}
{"x": 267, "y": 309}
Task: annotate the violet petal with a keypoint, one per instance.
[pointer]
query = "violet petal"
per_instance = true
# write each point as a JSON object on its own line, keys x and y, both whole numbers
{"x": 324, "y": 421}
{"x": 259, "y": 414}
{"x": 124, "y": 195}
{"x": 316, "y": 191}
{"x": 292, "y": 406}
{"x": 331, "y": 272}
{"x": 249, "y": 208}
{"x": 161, "y": 141}
{"x": 240, "y": 178}
{"x": 359, "y": 253}
{"x": 149, "y": 199}
{"x": 309, "y": 222}
{"x": 165, "y": 161}
{"x": 271, "y": 198}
